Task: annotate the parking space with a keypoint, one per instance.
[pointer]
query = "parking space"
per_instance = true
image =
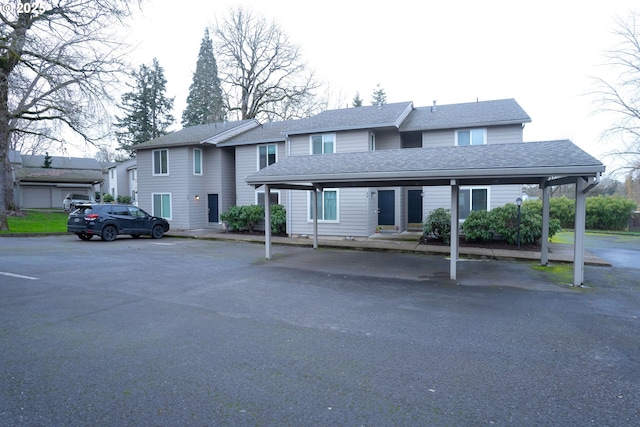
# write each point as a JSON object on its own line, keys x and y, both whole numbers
{"x": 177, "y": 332}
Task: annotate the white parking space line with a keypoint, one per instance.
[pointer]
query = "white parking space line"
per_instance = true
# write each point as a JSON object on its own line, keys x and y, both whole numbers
{"x": 19, "y": 276}
{"x": 165, "y": 244}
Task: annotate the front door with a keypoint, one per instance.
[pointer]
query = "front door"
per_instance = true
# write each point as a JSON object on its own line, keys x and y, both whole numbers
{"x": 386, "y": 207}
{"x": 212, "y": 200}
{"x": 414, "y": 215}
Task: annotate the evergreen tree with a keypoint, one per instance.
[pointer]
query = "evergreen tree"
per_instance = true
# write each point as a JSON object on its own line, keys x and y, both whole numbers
{"x": 47, "y": 161}
{"x": 205, "y": 103}
{"x": 357, "y": 101}
{"x": 379, "y": 97}
{"x": 148, "y": 110}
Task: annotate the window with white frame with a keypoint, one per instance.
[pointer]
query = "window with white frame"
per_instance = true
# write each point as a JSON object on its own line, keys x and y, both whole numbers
{"x": 372, "y": 141}
{"x": 471, "y": 137}
{"x": 161, "y": 205}
{"x": 473, "y": 199}
{"x": 328, "y": 208}
{"x": 161, "y": 162}
{"x": 274, "y": 197}
{"x": 197, "y": 161}
{"x": 267, "y": 155}
{"x": 323, "y": 144}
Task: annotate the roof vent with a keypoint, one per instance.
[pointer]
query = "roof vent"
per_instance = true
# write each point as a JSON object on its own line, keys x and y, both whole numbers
{"x": 433, "y": 108}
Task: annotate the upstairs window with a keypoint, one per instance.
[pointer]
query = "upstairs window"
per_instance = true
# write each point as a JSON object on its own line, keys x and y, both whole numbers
{"x": 197, "y": 161}
{"x": 161, "y": 162}
{"x": 471, "y": 137}
{"x": 267, "y": 155}
{"x": 323, "y": 144}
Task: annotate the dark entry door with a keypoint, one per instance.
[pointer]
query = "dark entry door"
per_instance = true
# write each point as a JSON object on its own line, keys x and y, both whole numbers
{"x": 212, "y": 201}
{"x": 386, "y": 207}
{"x": 415, "y": 206}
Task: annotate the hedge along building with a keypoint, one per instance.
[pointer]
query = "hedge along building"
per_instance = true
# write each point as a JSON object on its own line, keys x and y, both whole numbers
{"x": 546, "y": 163}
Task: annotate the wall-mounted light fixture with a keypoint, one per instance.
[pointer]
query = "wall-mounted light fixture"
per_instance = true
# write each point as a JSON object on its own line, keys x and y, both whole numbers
{"x": 197, "y": 197}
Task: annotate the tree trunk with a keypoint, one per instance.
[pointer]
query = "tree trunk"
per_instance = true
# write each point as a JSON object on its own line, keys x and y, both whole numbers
{"x": 4, "y": 152}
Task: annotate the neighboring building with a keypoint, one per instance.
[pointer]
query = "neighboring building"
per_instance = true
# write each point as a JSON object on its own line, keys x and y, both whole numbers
{"x": 178, "y": 171}
{"x": 39, "y": 187}
{"x": 121, "y": 180}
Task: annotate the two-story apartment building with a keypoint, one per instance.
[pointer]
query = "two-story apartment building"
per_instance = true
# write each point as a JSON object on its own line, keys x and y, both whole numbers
{"x": 192, "y": 175}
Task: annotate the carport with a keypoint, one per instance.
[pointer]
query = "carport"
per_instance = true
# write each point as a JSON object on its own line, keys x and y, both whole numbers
{"x": 546, "y": 163}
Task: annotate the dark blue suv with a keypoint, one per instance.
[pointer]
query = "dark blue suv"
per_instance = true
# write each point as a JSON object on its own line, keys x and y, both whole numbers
{"x": 109, "y": 220}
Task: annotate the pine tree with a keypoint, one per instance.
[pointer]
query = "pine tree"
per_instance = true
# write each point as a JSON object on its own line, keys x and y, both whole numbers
{"x": 47, "y": 161}
{"x": 379, "y": 97}
{"x": 148, "y": 110}
{"x": 205, "y": 103}
{"x": 357, "y": 101}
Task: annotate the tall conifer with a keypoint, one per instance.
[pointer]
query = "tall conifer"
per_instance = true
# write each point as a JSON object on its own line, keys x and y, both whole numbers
{"x": 205, "y": 103}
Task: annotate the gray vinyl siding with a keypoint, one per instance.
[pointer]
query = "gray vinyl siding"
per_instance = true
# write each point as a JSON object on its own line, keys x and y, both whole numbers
{"x": 227, "y": 172}
{"x": 440, "y": 197}
{"x": 495, "y": 135}
{"x": 345, "y": 142}
{"x": 354, "y": 217}
{"x": 386, "y": 140}
{"x": 175, "y": 183}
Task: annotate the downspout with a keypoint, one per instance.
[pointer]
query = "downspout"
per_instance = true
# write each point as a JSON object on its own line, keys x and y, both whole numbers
{"x": 287, "y": 146}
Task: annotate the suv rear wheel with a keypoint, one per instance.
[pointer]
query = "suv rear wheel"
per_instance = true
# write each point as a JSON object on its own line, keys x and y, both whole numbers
{"x": 109, "y": 233}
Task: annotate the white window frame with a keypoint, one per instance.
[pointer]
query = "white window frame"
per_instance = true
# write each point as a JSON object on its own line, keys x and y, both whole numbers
{"x": 372, "y": 141}
{"x": 153, "y": 206}
{"x": 153, "y": 162}
{"x": 323, "y": 136}
{"x": 197, "y": 162}
{"x": 477, "y": 187}
{"x": 471, "y": 130}
{"x": 321, "y": 216}
{"x": 266, "y": 147}
{"x": 276, "y": 192}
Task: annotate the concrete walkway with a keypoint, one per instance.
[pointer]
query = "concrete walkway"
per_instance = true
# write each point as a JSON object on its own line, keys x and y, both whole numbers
{"x": 397, "y": 242}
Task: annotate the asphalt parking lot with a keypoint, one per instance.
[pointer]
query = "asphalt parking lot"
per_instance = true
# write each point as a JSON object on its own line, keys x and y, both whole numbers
{"x": 185, "y": 332}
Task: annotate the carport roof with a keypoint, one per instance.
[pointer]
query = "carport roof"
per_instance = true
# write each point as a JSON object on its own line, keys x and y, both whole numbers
{"x": 492, "y": 164}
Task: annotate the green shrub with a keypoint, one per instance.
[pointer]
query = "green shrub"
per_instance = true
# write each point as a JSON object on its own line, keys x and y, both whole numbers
{"x": 505, "y": 222}
{"x": 608, "y": 213}
{"x": 124, "y": 199}
{"x": 107, "y": 198}
{"x": 278, "y": 219}
{"x": 251, "y": 215}
{"x": 240, "y": 218}
{"x": 438, "y": 224}
{"x": 478, "y": 226}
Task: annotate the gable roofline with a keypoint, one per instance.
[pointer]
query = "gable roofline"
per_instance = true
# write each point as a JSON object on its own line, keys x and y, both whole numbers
{"x": 355, "y": 118}
{"x": 245, "y": 126}
{"x": 498, "y": 112}
{"x": 195, "y": 135}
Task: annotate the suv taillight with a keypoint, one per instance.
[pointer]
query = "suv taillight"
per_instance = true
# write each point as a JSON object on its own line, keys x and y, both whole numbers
{"x": 91, "y": 217}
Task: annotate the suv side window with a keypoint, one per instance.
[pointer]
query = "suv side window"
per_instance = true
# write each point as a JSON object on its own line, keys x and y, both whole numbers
{"x": 120, "y": 210}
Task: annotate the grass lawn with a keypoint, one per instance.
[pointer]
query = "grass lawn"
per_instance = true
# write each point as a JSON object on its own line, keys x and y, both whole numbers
{"x": 38, "y": 222}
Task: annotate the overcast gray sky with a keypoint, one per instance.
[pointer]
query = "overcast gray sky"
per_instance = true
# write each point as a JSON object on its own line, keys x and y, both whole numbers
{"x": 540, "y": 53}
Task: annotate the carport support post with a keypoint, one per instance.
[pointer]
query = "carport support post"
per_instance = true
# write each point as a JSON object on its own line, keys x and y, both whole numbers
{"x": 578, "y": 238}
{"x": 267, "y": 221}
{"x": 544, "y": 249}
{"x": 314, "y": 202}
{"x": 454, "y": 229}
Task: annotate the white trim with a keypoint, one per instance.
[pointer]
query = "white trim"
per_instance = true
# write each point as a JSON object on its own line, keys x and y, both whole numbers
{"x": 335, "y": 142}
{"x": 325, "y": 221}
{"x": 270, "y": 192}
{"x": 475, "y": 187}
{"x": 153, "y": 162}
{"x": 484, "y": 130}
{"x": 194, "y": 161}
{"x": 267, "y": 148}
{"x": 153, "y": 211}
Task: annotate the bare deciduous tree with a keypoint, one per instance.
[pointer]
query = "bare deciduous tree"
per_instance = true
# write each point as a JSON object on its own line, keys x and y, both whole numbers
{"x": 262, "y": 71}
{"x": 58, "y": 61}
{"x": 620, "y": 96}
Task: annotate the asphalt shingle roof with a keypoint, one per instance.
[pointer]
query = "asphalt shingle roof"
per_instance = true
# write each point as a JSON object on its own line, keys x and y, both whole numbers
{"x": 528, "y": 159}
{"x": 496, "y": 112}
{"x": 192, "y": 135}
